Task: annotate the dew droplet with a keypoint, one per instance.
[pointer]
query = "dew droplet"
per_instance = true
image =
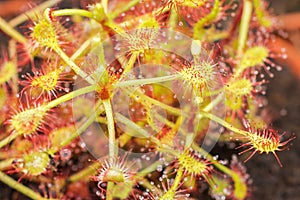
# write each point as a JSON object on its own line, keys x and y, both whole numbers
{"x": 216, "y": 157}
{"x": 284, "y": 56}
{"x": 278, "y": 68}
{"x": 98, "y": 193}
{"x": 283, "y": 112}
{"x": 159, "y": 168}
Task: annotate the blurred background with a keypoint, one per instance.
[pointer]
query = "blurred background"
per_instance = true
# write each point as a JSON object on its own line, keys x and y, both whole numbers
{"x": 270, "y": 182}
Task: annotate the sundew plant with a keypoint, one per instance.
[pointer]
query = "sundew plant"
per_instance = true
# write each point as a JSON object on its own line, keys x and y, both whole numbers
{"x": 127, "y": 99}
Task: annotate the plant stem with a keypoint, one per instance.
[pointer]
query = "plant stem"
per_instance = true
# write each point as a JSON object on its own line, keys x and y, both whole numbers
{"x": 80, "y": 130}
{"x": 224, "y": 123}
{"x": 171, "y": 109}
{"x": 109, "y": 191}
{"x": 137, "y": 128}
{"x": 140, "y": 130}
{"x": 19, "y": 187}
{"x": 129, "y": 65}
{"x": 131, "y": 125}
{"x": 85, "y": 173}
{"x": 73, "y": 11}
{"x": 8, "y": 139}
{"x": 244, "y": 26}
{"x": 173, "y": 19}
{"x": 111, "y": 128}
{"x": 12, "y": 49}
{"x": 6, "y": 28}
{"x": 70, "y": 96}
{"x": 146, "y": 81}
{"x": 81, "y": 49}
{"x": 213, "y": 103}
{"x": 105, "y": 5}
{"x": 76, "y": 69}
{"x": 111, "y": 140}
{"x": 177, "y": 179}
{"x": 146, "y": 183}
{"x": 150, "y": 168}
{"x": 6, "y": 163}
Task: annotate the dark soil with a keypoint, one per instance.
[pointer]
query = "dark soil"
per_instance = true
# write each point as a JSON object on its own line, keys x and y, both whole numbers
{"x": 270, "y": 181}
